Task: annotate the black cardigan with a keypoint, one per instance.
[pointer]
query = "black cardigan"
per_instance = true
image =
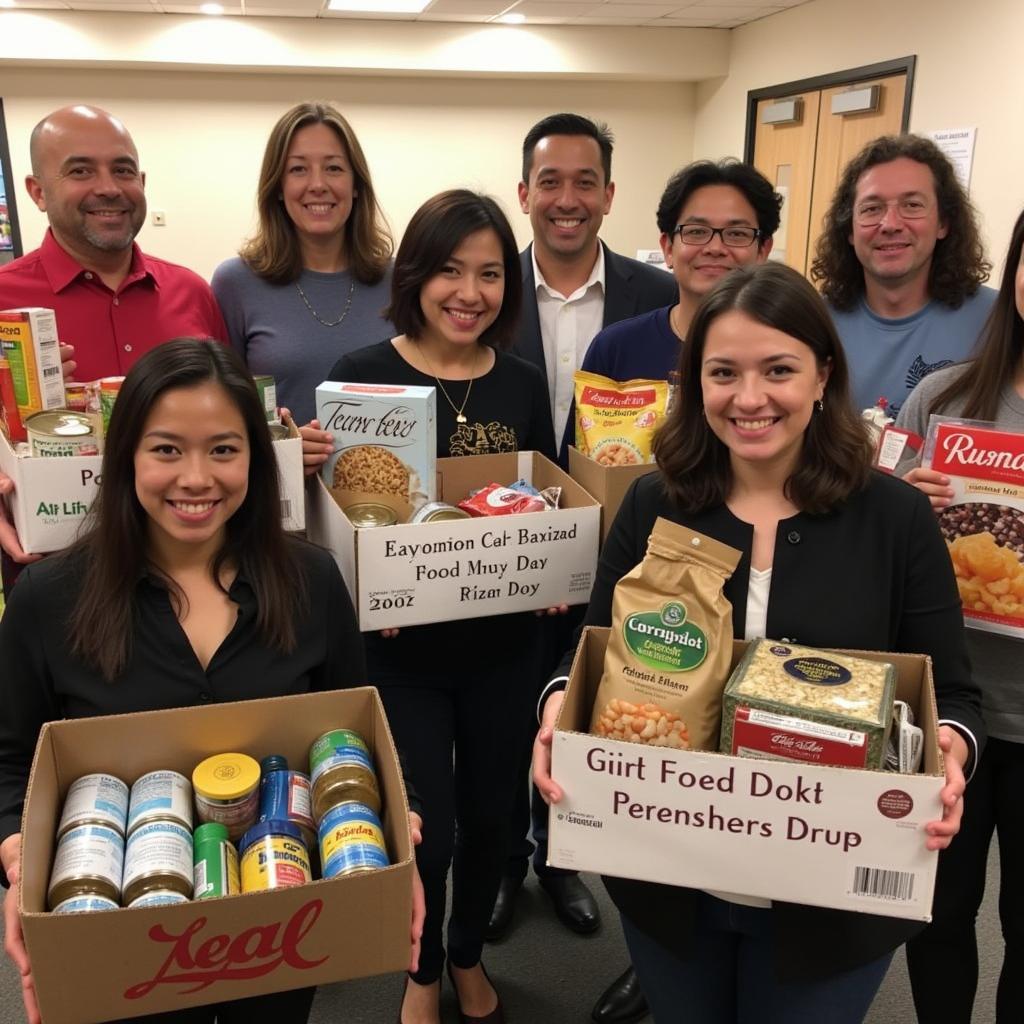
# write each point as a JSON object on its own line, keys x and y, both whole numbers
{"x": 873, "y": 575}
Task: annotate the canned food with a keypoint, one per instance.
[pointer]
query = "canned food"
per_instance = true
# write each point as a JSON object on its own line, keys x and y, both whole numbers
{"x": 437, "y": 512}
{"x": 85, "y": 905}
{"x": 351, "y": 841}
{"x": 60, "y": 433}
{"x": 227, "y": 789}
{"x": 97, "y": 799}
{"x": 158, "y": 855}
{"x": 285, "y": 796}
{"x": 366, "y": 514}
{"x": 160, "y": 796}
{"x": 341, "y": 769}
{"x": 109, "y": 389}
{"x": 158, "y": 898}
{"x": 76, "y": 397}
{"x": 89, "y": 862}
{"x": 215, "y": 862}
{"x": 273, "y": 857}
{"x": 278, "y": 432}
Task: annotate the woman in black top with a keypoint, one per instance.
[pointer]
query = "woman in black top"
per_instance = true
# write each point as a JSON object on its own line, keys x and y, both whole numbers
{"x": 460, "y": 687}
{"x": 765, "y": 454}
{"x": 184, "y": 590}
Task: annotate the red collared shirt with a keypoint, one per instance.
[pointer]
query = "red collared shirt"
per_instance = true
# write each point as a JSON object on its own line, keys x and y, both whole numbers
{"x": 156, "y": 302}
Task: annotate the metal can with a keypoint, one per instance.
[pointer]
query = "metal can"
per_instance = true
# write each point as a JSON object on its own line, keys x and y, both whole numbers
{"x": 158, "y": 898}
{"x": 109, "y": 389}
{"x": 215, "y": 863}
{"x": 60, "y": 433}
{"x": 160, "y": 796}
{"x": 89, "y": 862}
{"x": 97, "y": 799}
{"x": 158, "y": 855}
{"x": 227, "y": 789}
{"x": 438, "y": 512}
{"x": 85, "y": 905}
{"x": 76, "y": 397}
{"x": 340, "y": 769}
{"x": 351, "y": 841}
{"x": 285, "y": 795}
{"x": 278, "y": 432}
{"x": 366, "y": 514}
{"x": 274, "y": 857}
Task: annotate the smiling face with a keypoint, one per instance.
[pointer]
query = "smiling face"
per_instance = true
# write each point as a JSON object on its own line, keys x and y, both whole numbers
{"x": 191, "y": 467}
{"x": 87, "y": 181}
{"x": 698, "y": 268}
{"x": 759, "y": 388}
{"x": 318, "y": 186}
{"x": 899, "y": 249}
{"x": 566, "y": 197}
{"x": 464, "y": 297}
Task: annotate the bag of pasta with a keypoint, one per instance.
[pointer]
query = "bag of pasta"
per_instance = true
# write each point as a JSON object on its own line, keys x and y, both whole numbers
{"x": 616, "y": 420}
{"x": 670, "y": 646}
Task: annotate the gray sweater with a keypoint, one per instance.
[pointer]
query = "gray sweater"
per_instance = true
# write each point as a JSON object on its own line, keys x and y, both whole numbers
{"x": 998, "y": 661}
{"x": 270, "y": 326}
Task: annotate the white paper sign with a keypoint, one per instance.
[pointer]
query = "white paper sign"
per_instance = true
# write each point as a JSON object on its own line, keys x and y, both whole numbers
{"x": 958, "y": 145}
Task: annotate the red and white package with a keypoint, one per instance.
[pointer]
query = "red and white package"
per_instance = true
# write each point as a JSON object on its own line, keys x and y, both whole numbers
{"x": 497, "y": 500}
{"x": 774, "y": 737}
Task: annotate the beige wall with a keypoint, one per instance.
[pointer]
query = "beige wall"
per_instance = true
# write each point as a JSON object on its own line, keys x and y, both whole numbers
{"x": 967, "y": 76}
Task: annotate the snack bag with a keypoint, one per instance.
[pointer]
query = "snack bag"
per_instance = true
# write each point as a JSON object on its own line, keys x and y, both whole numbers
{"x": 616, "y": 420}
{"x": 670, "y": 646}
{"x": 495, "y": 500}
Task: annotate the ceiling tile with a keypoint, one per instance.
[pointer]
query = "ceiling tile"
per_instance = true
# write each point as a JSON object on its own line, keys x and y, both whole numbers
{"x": 723, "y": 10}
{"x": 547, "y": 10}
{"x": 301, "y": 8}
{"x": 192, "y": 7}
{"x": 42, "y": 5}
{"x": 111, "y": 5}
{"x": 621, "y": 10}
{"x": 479, "y": 8}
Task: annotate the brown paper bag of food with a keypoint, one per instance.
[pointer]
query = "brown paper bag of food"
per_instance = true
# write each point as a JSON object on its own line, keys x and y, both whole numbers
{"x": 670, "y": 645}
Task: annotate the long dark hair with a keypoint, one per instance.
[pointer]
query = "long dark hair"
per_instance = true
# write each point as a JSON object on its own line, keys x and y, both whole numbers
{"x": 958, "y": 268}
{"x": 435, "y": 231}
{"x": 835, "y": 460}
{"x": 1000, "y": 347}
{"x": 114, "y": 548}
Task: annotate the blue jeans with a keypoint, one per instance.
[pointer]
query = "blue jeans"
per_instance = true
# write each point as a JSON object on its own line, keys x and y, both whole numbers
{"x": 729, "y": 979}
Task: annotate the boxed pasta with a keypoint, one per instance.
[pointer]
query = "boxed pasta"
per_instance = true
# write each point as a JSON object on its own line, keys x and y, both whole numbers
{"x": 790, "y": 703}
{"x": 28, "y": 341}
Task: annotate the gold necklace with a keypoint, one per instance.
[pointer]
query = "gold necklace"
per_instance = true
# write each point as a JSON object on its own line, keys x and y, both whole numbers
{"x": 344, "y": 313}
{"x": 457, "y": 409}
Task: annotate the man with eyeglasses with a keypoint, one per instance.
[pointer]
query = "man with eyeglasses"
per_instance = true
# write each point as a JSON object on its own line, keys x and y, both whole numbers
{"x": 713, "y": 217}
{"x": 901, "y": 263}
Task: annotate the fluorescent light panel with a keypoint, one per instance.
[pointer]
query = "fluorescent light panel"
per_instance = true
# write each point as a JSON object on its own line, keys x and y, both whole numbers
{"x": 379, "y": 6}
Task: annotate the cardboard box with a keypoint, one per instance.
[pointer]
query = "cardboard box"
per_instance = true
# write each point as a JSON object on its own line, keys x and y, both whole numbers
{"x": 466, "y": 568}
{"x": 829, "y": 837}
{"x": 124, "y": 963}
{"x": 28, "y": 341}
{"x": 52, "y": 496}
{"x": 606, "y": 483}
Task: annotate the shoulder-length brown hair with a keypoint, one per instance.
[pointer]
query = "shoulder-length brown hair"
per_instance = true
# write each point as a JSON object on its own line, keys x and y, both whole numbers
{"x": 959, "y": 267}
{"x": 273, "y": 252}
{"x": 115, "y": 548}
{"x": 1000, "y": 347}
{"x": 835, "y": 460}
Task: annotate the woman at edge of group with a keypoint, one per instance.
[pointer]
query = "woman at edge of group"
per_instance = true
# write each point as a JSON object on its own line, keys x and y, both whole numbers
{"x": 764, "y": 453}
{"x": 185, "y": 588}
{"x": 464, "y": 686}
{"x": 311, "y": 284}
{"x": 943, "y": 959}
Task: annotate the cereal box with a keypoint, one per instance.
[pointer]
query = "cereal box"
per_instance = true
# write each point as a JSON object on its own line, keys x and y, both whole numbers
{"x": 28, "y": 341}
{"x": 984, "y": 523}
{"x": 385, "y": 440}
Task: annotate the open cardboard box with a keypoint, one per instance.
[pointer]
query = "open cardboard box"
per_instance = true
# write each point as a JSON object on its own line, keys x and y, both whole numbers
{"x": 125, "y": 963}
{"x": 608, "y": 484}
{"x": 465, "y": 568}
{"x": 52, "y": 495}
{"x": 831, "y": 837}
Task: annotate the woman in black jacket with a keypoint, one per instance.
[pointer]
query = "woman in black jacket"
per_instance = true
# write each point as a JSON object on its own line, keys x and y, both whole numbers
{"x": 765, "y": 454}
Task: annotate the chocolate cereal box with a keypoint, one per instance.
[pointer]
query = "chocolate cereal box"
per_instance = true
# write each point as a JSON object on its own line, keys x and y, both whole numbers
{"x": 385, "y": 440}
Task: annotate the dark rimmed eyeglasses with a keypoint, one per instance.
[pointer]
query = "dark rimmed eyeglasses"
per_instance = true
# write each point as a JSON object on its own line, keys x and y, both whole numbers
{"x": 736, "y": 236}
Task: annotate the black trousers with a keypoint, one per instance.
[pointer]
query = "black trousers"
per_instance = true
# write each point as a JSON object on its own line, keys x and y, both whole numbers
{"x": 943, "y": 959}
{"x": 279, "y": 1008}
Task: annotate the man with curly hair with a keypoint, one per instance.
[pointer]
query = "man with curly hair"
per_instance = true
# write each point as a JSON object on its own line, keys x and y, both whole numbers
{"x": 901, "y": 263}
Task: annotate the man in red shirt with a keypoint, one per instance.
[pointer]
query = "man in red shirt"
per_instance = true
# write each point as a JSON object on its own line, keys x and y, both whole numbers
{"x": 113, "y": 302}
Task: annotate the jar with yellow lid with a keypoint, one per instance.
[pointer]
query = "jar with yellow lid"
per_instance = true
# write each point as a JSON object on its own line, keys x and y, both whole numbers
{"x": 227, "y": 790}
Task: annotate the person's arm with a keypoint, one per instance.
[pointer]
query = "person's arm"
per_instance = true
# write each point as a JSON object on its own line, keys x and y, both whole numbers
{"x": 9, "y": 541}
{"x": 14, "y": 941}
{"x": 230, "y": 309}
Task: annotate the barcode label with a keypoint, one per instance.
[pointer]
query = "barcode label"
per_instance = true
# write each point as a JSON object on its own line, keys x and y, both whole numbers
{"x": 286, "y": 508}
{"x": 51, "y": 371}
{"x": 885, "y": 885}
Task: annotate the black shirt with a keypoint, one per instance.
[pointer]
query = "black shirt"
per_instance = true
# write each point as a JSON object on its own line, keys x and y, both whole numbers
{"x": 42, "y": 680}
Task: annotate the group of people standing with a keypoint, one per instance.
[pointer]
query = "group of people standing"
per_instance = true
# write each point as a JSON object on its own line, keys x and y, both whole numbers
{"x": 764, "y": 451}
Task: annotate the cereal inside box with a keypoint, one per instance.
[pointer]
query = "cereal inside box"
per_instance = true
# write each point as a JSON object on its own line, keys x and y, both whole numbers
{"x": 385, "y": 440}
{"x": 790, "y": 703}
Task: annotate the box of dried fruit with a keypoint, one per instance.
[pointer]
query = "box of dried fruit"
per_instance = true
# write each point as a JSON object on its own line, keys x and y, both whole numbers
{"x": 984, "y": 522}
{"x": 789, "y": 703}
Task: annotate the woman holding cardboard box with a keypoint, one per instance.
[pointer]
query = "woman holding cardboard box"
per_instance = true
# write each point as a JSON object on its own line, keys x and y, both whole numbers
{"x": 764, "y": 453}
{"x": 943, "y": 960}
{"x": 184, "y": 590}
{"x": 460, "y": 687}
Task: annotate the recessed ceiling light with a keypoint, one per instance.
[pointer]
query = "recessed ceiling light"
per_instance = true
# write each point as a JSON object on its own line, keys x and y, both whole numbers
{"x": 378, "y": 6}
{"x": 512, "y": 18}
{"x": 6, "y": 3}
{"x": 211, "y": 9}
